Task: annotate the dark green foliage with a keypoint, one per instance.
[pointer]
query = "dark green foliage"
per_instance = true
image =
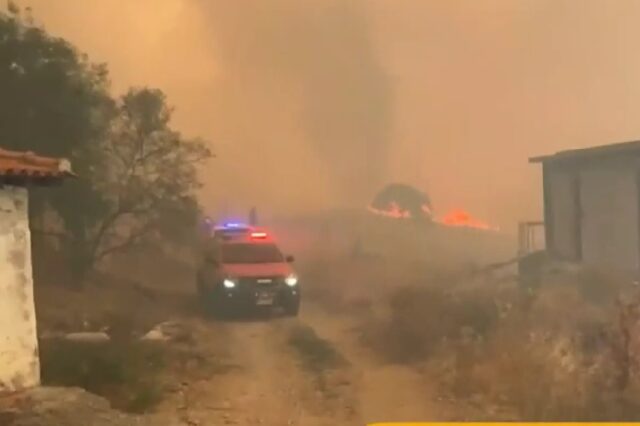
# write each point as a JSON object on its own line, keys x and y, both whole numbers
{"x": 137, "y": 175}
{"x": 53, "y": 99}
{"x": 126, "y": 373}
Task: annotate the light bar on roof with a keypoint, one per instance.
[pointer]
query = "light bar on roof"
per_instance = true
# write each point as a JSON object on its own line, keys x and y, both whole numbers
{"x": 234, "y": 225}
{"x": 258, "y": 235}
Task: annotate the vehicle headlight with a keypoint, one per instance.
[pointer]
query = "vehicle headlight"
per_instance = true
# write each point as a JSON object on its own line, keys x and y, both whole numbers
{"x": 229, "y": 283}
{"x": 291, "y": 280}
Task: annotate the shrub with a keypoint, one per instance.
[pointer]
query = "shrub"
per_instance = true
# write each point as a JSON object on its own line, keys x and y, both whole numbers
{"x": 568, "y": 354}
{"x": 126, "y": 374}
{"x": 422, "y": 318}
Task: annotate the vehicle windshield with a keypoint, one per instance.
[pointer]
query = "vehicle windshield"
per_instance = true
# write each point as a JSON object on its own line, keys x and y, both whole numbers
{"x": 230, "y": 232}
{"x": 251, "y": 253}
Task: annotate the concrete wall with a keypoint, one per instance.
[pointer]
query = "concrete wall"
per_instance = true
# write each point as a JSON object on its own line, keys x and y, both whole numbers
{"x": 19, "y": 361}
{"x": 609, "y": 198}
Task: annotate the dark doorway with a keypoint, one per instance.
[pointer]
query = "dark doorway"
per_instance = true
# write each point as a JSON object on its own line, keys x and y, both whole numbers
{"x": 578, "y": 216}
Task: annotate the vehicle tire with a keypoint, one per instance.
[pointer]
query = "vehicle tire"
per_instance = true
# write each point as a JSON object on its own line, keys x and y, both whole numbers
{"x": 221, "y": 311}
{"x": 201, "y": 287}
{"x": 292, "y": 309}
{"x": 199, "y": 297}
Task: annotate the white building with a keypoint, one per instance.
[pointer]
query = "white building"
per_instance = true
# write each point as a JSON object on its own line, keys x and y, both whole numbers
{"x": 592, "y": 205}
{"x": 19, "y": 361}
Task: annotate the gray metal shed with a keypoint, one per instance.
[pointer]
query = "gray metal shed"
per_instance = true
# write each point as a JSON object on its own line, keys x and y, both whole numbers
{"x": 592, "y": 205}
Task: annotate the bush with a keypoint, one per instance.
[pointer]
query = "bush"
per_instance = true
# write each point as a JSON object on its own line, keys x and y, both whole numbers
{"x": 541, "y": 376}
{"x": 423, "y": 318}
{"x": 126, "y": 374}
{"x": 569, "y": 354}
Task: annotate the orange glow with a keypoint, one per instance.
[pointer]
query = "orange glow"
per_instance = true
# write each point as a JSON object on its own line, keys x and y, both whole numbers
{"x": 394, "y": 211}
{"x": 455, "y": 218}
{"x": 461, "y": 218}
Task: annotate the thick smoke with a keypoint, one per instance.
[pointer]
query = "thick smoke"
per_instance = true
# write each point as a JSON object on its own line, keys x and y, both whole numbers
{"x": 300, "y": 75}
{"x": 292, "y": 95}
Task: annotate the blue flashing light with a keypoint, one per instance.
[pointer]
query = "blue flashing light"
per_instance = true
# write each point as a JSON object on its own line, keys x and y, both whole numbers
{"x": 234, "y": 225}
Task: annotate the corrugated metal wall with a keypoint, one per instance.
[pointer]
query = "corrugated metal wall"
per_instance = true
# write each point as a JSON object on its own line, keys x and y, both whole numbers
{"x": 609, "y": 198}
{"x": 594, "y": 213}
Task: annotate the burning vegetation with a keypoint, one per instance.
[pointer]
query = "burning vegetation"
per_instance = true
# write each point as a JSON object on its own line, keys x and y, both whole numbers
{"x": 401, "y": 201}
{"x": 461, "y": 218}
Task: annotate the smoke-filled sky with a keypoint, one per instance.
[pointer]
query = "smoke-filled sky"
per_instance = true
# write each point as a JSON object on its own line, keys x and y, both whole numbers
{"x": 316, "y": 103}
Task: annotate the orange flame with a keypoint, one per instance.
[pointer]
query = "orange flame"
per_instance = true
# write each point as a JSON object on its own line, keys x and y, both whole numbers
{"x": 394, "y": 211}
{"x": 455, "y": 218}
{"x": 461, "y": 218}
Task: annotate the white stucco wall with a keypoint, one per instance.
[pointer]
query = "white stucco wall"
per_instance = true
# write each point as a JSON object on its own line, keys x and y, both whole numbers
{"x": 609, "y": 196}
{"x": 19, "y": 360}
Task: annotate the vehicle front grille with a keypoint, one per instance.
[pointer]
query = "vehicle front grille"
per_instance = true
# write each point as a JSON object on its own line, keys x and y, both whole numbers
{"x": 257, "y": 282}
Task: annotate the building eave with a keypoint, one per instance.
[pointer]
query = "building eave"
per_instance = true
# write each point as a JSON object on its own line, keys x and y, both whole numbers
{"x": 28, "y": 168}
{"x": 623, "y": 148}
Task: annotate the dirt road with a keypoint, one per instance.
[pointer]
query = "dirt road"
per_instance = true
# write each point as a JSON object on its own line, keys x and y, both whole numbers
{"x": 385, "y": 392}
{"x": 265, "y": 381}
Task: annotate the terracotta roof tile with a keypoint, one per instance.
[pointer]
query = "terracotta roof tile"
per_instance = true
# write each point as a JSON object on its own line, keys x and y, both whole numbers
{"x": 27, "y": 165}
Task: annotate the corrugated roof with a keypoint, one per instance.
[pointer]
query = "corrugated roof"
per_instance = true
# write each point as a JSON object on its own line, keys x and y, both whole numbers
{"x": 17, "y": 165}
{"x": 571, "y": 154}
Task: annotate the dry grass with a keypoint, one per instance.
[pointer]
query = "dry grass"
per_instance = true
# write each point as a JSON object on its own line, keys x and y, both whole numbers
{"x": 568, "y": 354}
{"x": 126, "y": 374}
{"x": 133, "y": 375}
{"x": 319, "y": 358}
{"x": 421, "y": 319}
{"x": 565, "y": 352}
{"x": 317, "y": 355}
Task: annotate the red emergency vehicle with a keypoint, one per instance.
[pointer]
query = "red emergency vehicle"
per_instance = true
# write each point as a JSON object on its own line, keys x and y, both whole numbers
{"x": 250, "y": 272}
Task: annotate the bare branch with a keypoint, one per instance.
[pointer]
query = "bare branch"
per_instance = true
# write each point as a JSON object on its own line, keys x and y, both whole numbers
{"x": 153, "y": 172}
{"x": 131, "y": 240}
{"x": 62, "y": 235}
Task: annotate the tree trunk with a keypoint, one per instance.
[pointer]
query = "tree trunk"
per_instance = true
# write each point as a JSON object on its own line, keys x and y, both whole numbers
{"x": 80, "y": 263}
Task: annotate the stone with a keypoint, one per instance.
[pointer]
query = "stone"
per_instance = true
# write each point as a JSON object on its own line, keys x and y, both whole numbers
{"x": 168, "y": 331}
{"x": 155, "y": 336}
{"x": 88, "y": 337}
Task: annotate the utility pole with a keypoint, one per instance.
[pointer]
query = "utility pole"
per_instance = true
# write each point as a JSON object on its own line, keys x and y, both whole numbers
{"x": 253, "y": 217}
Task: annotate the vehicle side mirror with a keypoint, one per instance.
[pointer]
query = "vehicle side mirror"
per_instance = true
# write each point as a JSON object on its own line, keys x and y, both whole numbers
{"x": 290, "y": 259}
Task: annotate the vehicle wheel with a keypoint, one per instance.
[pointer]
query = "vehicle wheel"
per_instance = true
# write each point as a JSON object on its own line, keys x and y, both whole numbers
{"x": 221, "y": 311}
{"x": 292, "y": 309}
{"x": 205, "y": 308}
{"x": 201, "y": 296}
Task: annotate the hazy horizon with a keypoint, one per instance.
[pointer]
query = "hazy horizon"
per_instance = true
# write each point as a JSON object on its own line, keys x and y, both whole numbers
{"x": 318, "y": 104}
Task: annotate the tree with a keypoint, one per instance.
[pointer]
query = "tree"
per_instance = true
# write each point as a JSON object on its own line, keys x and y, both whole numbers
{"x": 148, "y": 178}
{"x": 55, "y": 102}
{"x": 137, "y": 176}
{"x": 53, "y": 99}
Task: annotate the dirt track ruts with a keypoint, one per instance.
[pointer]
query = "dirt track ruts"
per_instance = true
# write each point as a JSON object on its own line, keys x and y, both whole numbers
{"x": 267, "y": 384}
